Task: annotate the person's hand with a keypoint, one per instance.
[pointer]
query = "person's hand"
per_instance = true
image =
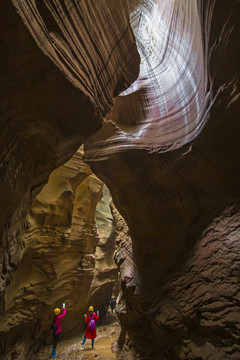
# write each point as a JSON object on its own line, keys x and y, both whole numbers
{"x": 63, "y": 305}
{"x": 85, "y": 315}
{"x": 97, "y": 313}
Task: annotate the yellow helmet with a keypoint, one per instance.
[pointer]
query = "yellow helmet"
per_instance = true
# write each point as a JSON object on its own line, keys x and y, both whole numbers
{"x": 56, "y": 311}
{"x": 90, "y": 308}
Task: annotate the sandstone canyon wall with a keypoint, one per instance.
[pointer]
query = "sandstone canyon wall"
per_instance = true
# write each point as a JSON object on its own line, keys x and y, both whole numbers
{"x": 167, "y": 148}
{"x": 44, "y": 120}
{"x": 180, "y": 279}
{"x": 65, "y": 259}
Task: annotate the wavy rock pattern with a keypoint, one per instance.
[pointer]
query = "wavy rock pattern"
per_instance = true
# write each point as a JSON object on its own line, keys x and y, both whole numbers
{"x": 76, "y": 37}
{"x": 44, "y": 118}
{"x": 168, "y": 104}
{"x": 177, "y": 204}
{"x": 169, "y": 201}
{"x": 105, "y": 275}
{"x": 131, "y": 288}
{"x": 63, "y": 259}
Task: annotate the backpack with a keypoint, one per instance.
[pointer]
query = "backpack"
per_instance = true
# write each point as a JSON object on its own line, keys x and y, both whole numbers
{"x": 92, "y": 324}
{"x": 53, "y": 327}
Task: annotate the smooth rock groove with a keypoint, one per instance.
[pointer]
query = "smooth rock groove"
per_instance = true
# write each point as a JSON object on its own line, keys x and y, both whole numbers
{"x": 44, "y": 118}
{"x": 182, "y": 211}
{"x": 69, "y": 242}
{"x": 181, "y": 207}
{"x": 168, "y": 105}
{"x": 76, "y": 36}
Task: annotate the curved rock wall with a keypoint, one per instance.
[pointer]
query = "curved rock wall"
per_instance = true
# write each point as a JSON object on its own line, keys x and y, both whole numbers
{"x": 177, "y": 206}
{"x": 105, "y": 276}
{"x": 44, "y": 118}
{"x": 181, "y": 206}
{"x": 168, "y": 105}
{"x": 194, "y": 312}
{"x": 80, "y": 38}
{"x": 64, "y": 259}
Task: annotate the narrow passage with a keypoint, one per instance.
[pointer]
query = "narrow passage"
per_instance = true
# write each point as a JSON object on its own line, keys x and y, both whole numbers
{"x": 71, "y": 349}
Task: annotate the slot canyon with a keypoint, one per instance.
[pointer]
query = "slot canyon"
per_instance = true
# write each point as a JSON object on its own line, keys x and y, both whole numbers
{"x": 120, "y": 172}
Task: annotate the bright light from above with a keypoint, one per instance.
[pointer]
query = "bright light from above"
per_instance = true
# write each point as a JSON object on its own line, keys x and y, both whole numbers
{"x": 173, "y": 73}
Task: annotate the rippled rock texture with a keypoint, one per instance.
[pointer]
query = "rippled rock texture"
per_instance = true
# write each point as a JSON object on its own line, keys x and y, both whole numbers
{"x": 167, "y": 148}
{"x": 67, "y": 257}
{"x": 181, "y": 207}
{"x": 44, "y": 120}
{"x": 44, "y": 116}
{"x": 194, "y": 312}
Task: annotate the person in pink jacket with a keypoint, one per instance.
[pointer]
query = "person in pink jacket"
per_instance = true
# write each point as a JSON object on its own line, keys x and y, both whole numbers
{"x": 56, "y": 327}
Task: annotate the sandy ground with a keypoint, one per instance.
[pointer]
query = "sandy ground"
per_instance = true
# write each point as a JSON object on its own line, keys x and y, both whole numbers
{"x": 72, "y": 349}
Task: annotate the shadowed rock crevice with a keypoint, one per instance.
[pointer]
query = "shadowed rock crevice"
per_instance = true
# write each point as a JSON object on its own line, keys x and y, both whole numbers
{"x": 44, "y": 116}
{"x": 69, "y": 243}
{"x": 164, "y": 138}
{"x": 168, "y": 202}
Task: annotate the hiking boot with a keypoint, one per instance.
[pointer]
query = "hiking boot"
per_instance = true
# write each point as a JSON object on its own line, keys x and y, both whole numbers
{"x": 54, "y": 356}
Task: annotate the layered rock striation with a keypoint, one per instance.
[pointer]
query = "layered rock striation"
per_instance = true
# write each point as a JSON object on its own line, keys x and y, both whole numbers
{"x": 181, "y": 207}
{"x": 168, "y": 105}
{"x": 173, "y": 175}
{"x": 66, "y": 258}
{"x": 44, "y": 116}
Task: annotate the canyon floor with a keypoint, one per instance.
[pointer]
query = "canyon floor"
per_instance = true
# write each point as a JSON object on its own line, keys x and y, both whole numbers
{"x": 71, "y": 349}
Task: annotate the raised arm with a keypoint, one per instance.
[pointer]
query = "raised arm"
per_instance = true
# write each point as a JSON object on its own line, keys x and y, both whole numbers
{"x": 96, "y": 317}
{"x": 63, "y": 313}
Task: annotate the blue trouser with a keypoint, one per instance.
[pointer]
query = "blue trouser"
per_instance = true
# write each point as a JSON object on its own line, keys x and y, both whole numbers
{"x": 84, "y": 340}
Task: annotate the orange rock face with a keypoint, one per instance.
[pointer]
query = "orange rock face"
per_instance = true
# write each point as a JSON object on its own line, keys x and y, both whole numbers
{"x": 49, "y": 106}
{"x": 66, "y": 258}
{"x": 45, "y": 117}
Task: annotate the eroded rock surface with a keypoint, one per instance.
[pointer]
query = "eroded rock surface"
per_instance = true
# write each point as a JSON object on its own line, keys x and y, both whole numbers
{"x": 194, "y": 312}
{"x": 169, "y": 201}
{"x": 105, "y": 276}
{"x": 44, "y": 117}
{"x": 181, "y": 207}
{"x": 66, "y": 258}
